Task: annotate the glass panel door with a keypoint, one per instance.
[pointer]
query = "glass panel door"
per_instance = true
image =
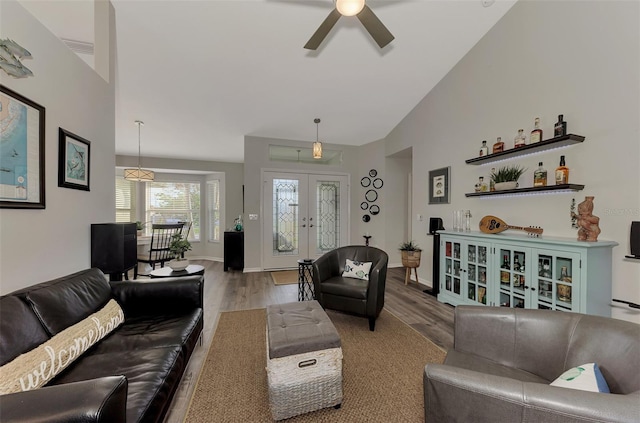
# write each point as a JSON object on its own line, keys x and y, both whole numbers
{"x": 304, "y": 217}
{"x": 555, "y": 273}
{"x": 513, "y": 279}
{"x": 452, "y": 267}
{"x": 477, "y": 273}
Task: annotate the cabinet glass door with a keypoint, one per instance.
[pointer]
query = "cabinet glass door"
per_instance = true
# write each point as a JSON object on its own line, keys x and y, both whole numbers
{"x": 476, "y": 260}
{"x": 555, "y": 274}
{"x": 514, "y": 285}
{"x": 452, "y": 267}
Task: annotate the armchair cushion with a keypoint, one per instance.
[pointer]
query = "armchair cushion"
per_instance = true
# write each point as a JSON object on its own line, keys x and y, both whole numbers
{"x": 356, "y": 269}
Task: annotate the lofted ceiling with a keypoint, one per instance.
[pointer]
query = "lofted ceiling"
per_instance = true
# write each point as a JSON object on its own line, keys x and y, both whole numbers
{"x": 203, "y": 74}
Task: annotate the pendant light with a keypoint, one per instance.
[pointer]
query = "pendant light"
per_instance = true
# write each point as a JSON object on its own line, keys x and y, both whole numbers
{"x": 317, "y": 146}
{"x": 139, "y": 175}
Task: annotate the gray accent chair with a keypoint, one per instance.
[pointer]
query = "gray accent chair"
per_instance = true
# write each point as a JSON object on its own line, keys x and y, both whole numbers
{"x": 355, "y": 296}
{"x": 504, "y": 359}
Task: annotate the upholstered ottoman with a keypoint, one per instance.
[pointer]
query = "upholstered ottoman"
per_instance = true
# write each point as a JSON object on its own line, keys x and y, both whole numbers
{"x": 304, "y": 359}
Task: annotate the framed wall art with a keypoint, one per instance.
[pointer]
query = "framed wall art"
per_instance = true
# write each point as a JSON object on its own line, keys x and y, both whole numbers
{"x": 439, "y": 183}
{"x": 74, "y": 160}
{"x": 21, "y": 152}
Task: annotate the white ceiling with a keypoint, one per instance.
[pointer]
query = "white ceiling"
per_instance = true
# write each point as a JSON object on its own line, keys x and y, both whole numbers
{"x": 203, "y": 74}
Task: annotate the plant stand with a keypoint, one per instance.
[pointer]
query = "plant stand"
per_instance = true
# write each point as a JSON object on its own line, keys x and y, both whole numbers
{"x": 411, "y": 260}
{"x": 407, "y": 275}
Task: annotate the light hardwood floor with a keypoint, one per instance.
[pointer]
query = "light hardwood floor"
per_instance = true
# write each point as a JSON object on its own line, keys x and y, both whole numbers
{"x": 234, "y": 290}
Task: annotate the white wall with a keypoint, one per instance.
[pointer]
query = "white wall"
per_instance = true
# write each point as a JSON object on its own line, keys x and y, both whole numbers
{"x": 38, "y": 245}
{"x": 195, "y": 170}
{"x": 542, "y": 59}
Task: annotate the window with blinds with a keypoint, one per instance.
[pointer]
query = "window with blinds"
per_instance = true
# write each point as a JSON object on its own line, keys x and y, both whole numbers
{"x": 173, "y": 202}
{"x": 125, "y": 200}
{"x": 213, "y": 208}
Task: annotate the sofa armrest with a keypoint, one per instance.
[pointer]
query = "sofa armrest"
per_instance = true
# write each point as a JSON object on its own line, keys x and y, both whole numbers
{"x": 159, "y": 296}
{"x": 95, "y": 400}
{"x": 455, "y": 394}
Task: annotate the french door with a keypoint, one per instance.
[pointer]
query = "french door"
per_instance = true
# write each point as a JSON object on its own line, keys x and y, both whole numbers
{"x": 305, "y": 215}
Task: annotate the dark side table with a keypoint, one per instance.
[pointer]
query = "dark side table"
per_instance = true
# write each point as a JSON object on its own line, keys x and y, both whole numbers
{"x": 305, "y": 280}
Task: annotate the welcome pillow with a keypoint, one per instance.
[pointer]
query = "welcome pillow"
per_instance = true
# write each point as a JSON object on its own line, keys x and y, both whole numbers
{"x": 35, "y": 368}
{"x": 586, "y": 377}
{"x": 356, "y": 270}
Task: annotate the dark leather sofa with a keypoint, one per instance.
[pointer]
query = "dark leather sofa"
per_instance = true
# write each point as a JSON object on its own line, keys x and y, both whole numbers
{"x": 131, "y": 375}
{"x": 356, "y": 296}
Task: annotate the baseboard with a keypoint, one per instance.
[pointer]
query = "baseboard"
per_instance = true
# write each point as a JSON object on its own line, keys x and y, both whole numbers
{"x": 252, "y": 270}
{"x": 220, "y": 259}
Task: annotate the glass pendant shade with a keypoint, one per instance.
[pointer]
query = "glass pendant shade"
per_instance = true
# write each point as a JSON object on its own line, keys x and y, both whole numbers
{"x": 139, "y": 175}
{"x": 317, "y": 150}
{"x": 349, "y": 7}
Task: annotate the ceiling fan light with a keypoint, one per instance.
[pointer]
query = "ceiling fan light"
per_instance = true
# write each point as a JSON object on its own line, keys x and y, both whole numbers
{"x": 349, "y": 7}
{"x": 317, "y": 150}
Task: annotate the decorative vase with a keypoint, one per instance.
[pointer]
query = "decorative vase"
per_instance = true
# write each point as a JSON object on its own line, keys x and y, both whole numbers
{"x": 139, "y": 232}
{"x": 588, "y": 224}
{"x": 411, "y": 258}
{"x": 178, "y": 264}
{"x": 503, "y": 186}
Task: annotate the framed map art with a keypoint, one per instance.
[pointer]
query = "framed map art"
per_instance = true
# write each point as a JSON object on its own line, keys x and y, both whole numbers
{"x": 22, "y": 126}
{"x": 74, "y": 159}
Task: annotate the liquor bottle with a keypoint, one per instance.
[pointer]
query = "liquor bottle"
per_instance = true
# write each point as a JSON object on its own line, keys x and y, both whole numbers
{"x": 516, "y": 264}
{"x": 481, "y": 186}
{"x": 498, "y": 146}
{"x": 562, "y": 173}
{"x": 540, "y": 176}
{"x": 492, "y": 184}
{"x": 536, "y": 134}
{"x": 520, "y": 139}
{"x": 484, "y": 150}
{"x": 560, "y": 128}
{"x": 505, "y": 262}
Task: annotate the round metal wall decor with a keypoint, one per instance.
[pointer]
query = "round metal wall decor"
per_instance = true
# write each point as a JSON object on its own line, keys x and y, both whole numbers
{"x": 366, "y": 218}
{"x": 371, "y": 196}
{"x": 364, "y": 205}
{"x": 374, "y": 209}
{"x": 365, "y": 182}
{"x": 373, "y": 173}
{"x": 377, "y": 183}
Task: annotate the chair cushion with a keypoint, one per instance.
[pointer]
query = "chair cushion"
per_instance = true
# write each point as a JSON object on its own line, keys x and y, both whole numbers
{"x": 346, "y": 287}
{"x": 356, "y": 269}
{"x": 476, "y": 363}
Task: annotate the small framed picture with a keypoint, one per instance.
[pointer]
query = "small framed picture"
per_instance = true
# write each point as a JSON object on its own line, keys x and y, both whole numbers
{"x": 74, "y": 160}
{"x": 439, "y": 183}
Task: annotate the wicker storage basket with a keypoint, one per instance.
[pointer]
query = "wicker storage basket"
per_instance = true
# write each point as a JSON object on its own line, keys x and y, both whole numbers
{"x": 411, "y": 258}
{"x": 304, "y": 382}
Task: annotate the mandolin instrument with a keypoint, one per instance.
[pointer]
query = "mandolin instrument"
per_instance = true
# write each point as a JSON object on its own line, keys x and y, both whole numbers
{"x": 495, "y": 225}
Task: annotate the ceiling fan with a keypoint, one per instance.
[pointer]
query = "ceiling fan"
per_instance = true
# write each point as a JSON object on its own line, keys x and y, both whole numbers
{"x": 369, "y": 20}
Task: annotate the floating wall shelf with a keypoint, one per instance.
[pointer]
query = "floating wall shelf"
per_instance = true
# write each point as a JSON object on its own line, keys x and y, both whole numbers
{"x": 549, "y": 144}
{"x": 528, "y": 191}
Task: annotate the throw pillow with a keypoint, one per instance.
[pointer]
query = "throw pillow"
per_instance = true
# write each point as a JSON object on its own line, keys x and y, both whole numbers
{"x": 35, "y": 368}
{"x": 356, "y": 270}
{"x": 586, "y": 377}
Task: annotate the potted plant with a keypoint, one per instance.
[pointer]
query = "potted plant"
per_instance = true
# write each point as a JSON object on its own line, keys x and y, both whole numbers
{"x": 139, "y": 227}
{"x": 410, "y": 254}
{"x": 178, "y": 247}
{"x": 507, "y": 177}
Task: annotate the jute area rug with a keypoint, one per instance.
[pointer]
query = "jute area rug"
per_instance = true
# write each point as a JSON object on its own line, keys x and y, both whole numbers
{"x": 382, "y": 372}
{"x": 285, "y": 277}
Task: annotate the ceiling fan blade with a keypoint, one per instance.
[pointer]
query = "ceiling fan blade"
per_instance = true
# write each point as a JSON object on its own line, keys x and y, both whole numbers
{"x": 375, "y": 27}
{"x": 318, "y": 37}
